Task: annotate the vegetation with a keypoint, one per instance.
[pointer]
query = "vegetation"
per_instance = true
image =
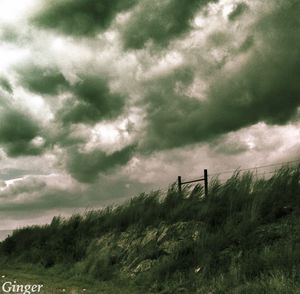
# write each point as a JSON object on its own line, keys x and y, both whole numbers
{"x": 249, "y": 238}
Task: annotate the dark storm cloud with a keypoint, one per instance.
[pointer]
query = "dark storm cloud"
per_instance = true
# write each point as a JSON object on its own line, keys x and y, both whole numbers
{"x": 13, "y": 34}
{"x": 8, "y": 33}
{"x": 238, "y": 11}
{"x": 42, "y": 80}
{"x": 5, "y": 85}
{"x": 16, "y": 132}
{"x": 170, "y": 114}
{"x": 92, "y": 101}
{"x": 80, "y": 17}
{"x": 265, "y": 88}
{"x": 159, "y": 21}
{"x": 64, "y": 136}
{"x": 86, "y": 167}
{"x": 260, "y": 84}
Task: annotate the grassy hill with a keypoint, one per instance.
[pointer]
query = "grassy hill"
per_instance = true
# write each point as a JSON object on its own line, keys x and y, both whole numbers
{"x": 243, "y": 238}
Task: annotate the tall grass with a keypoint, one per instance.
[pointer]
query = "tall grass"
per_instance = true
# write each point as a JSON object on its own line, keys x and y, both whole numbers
{"x": 248, "y": 231}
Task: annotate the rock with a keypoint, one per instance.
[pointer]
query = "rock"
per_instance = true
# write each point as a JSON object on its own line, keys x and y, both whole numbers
{"x": 169, "y": 247}
{"x": 150, "y": 236}
{"x": 144, "y": 266}
{"x": 198, "y": 269}
{"x": 163, "y": 235}
{"x": 196, "y": 235}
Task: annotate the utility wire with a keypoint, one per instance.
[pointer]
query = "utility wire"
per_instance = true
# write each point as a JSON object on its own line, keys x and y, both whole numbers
{"x": 254, "y": 168}
{"x": 251, "y": 168}
{"x": 265, "y": 173}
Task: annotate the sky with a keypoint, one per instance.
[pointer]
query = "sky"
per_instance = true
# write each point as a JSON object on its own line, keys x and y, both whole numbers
{"x": 101, "y": 100}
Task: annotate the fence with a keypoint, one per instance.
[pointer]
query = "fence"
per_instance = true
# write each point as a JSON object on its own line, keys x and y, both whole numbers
{"x": 204, "y": 179}
{"x": 256, "y": 169}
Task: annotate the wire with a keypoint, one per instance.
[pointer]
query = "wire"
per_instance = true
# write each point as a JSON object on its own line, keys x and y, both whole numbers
{"x": 266, "y": 173}
{"x": 271, "y": 165}
{"x": 253, "y": 168}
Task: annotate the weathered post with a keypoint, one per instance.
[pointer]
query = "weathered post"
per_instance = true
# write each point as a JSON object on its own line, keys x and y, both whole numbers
{"x": 179, "y": 184}
{"x": 205, "y": 183}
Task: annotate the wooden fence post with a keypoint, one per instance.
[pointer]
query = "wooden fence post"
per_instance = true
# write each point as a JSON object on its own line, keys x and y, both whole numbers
{"x": 205, "y": 183}
{"x": 179, "y": 184}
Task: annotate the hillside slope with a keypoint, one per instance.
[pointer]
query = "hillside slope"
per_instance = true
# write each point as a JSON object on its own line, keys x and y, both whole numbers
{"x": 243, "y": 238}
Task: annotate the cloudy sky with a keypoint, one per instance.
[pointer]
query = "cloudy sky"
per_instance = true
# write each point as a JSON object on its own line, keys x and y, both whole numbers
{"x": 103, "y": 99}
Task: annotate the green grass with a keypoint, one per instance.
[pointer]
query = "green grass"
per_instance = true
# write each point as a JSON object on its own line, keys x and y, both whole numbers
{"x": 249, "y": 238}
{"x": 58, "y": 282}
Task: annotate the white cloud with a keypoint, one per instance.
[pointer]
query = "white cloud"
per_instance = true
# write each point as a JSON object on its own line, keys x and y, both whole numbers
{"x": 36, "y": 105}
{"x": 14, "y": 10}
{"x": 10, "y": 55}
